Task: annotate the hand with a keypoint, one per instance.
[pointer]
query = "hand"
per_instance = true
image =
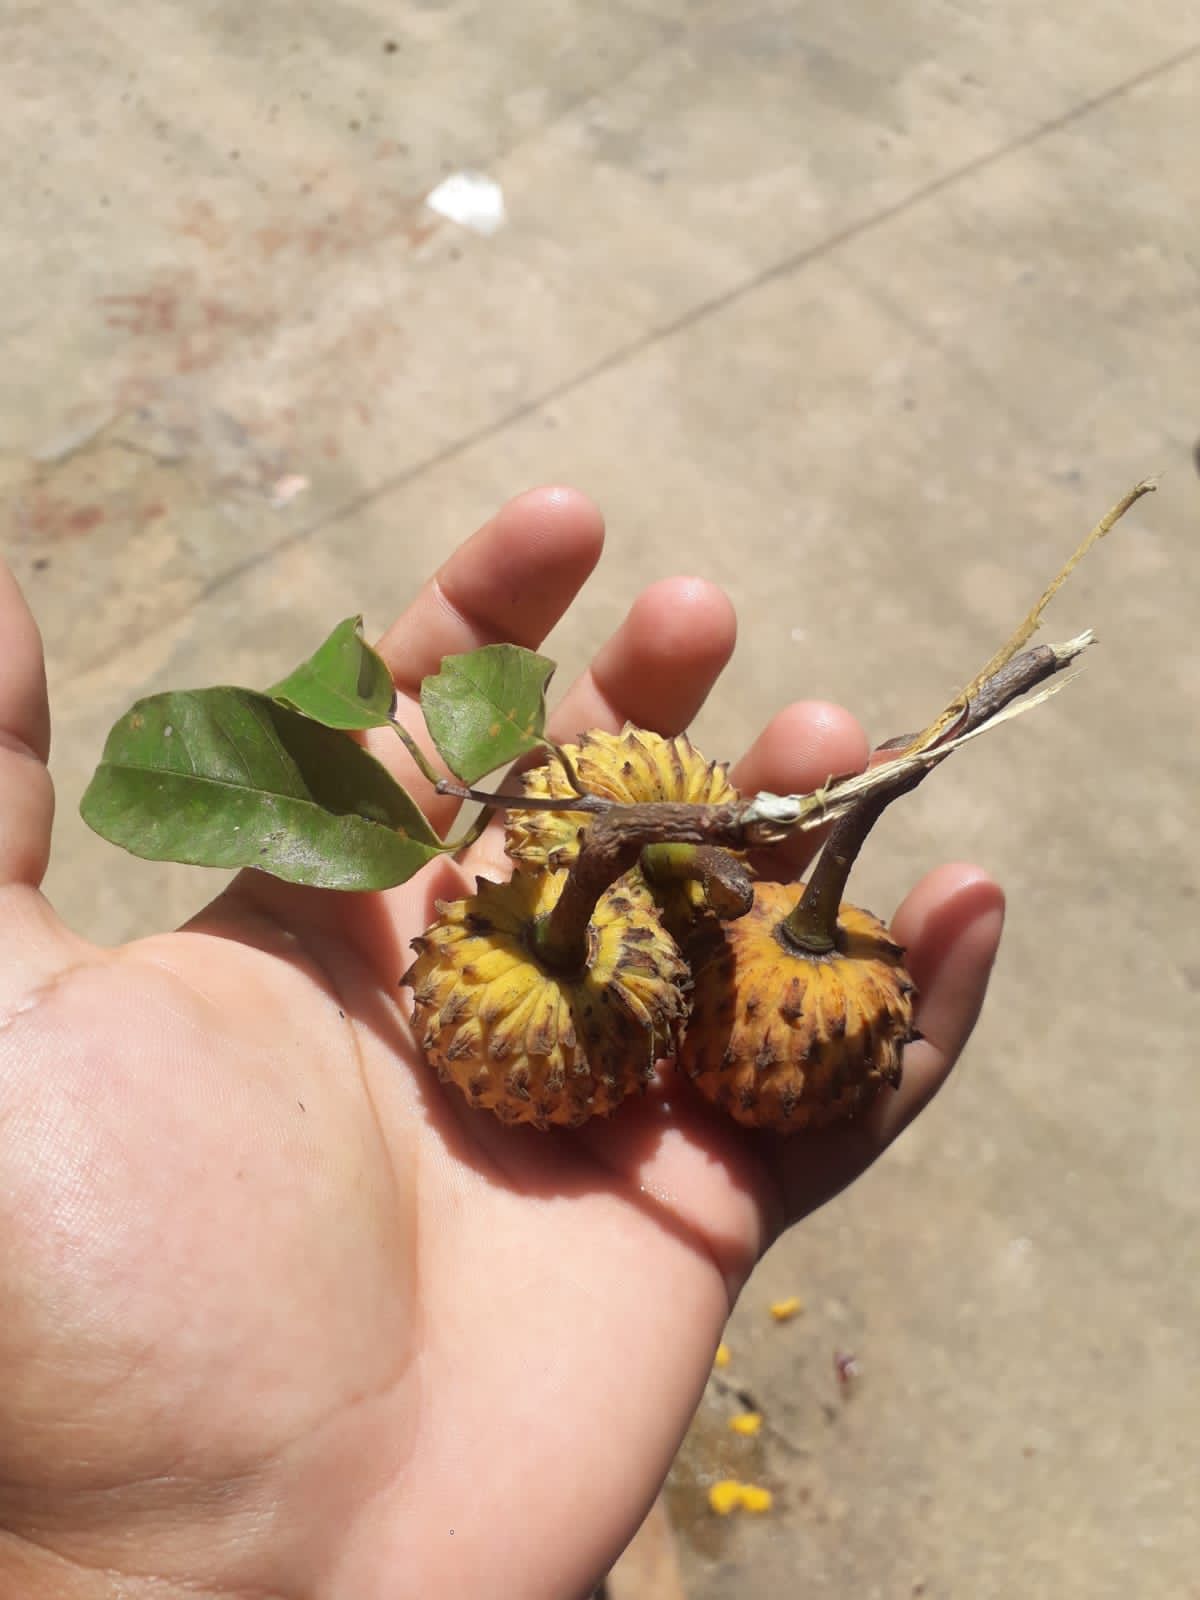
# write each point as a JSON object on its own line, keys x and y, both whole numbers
{"x": 280, "y": 1315}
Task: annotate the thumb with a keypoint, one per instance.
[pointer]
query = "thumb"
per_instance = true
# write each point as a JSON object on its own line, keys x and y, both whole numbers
{"x": 26, "y": 793}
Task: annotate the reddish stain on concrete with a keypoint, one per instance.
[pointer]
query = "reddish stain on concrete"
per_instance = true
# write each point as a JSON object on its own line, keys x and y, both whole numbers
{"x": 200, "y": 221}
{"x": 175, "y": 325}
{"x": 153, "y": 311}
{"x": 357, "y": 222}
{"x": 192, "y": 318}
{"x": 418, "y": 232}
{"x": 272, "y": 239}
{"x": 43, "y": 516}
{"x": 218, "y": 315}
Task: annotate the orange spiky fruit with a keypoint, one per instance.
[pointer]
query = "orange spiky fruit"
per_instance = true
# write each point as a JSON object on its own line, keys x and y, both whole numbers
{"x": 783, "y": 1038}
{"x": 535, "y": 1045}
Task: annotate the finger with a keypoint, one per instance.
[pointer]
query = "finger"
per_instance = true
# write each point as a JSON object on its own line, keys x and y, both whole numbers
{"x": 950, "y": 926}
{"x": 510, "y": 582}
{"x": 657, "y": 669}
{"x": 26, "y": 794}
{"x": 800, "y": 748}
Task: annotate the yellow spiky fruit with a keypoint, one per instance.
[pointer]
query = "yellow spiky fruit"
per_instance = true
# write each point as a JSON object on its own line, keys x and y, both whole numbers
{"x": 537, "y": 1046}
{"x": 781, "y": 1038}
{"x": 630, "y": 767}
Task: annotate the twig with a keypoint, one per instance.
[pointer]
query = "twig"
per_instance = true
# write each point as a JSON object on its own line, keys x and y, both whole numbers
{"x": 609, "y": 848}
{"x": 568, "y": 766}
{"x": 766, "y": 818}
{"x": 591, "y": 803}
{"x": 813, "y": 923}
{"x": 1028, "y": 626}
{"x": 420, "y": 759}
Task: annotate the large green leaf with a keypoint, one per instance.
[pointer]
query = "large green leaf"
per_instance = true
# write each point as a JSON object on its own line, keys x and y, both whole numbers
{"x": 487, "y": 708}
{"x": 230, "y": 778}
{"x": 343, "y": 684}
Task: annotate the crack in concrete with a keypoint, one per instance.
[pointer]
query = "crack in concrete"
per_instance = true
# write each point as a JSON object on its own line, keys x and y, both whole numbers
{"x": 696, "y": 314}
{"x": 749, "y": 1402}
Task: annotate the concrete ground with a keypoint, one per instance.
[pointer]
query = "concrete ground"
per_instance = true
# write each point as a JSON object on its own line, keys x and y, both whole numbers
{"x": 865, "y": 313}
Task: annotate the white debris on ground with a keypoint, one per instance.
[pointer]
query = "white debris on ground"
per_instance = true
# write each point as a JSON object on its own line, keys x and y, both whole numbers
{"x": 471, "y": 199}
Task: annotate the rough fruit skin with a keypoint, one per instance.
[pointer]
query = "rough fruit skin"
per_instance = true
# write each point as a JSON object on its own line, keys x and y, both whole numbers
{"x": 537, "y": 1046}
{"x": 783, "y": 1039}
{"x": 630, "y": 767}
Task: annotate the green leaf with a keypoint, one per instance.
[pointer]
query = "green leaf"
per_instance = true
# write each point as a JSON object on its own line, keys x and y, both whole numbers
{"x": 486, "y": 708}
{"x": 344, "y": 684}
{"x": 230, "y": 778}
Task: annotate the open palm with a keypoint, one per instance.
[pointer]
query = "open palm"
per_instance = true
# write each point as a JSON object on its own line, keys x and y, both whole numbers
{"x": 279, "y": 1316}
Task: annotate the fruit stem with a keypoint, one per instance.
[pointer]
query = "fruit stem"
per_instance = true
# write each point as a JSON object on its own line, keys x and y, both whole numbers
{"x": 812, "y": 924}
{"x": 726, "y": 882}
{"x": 610, "y": 847}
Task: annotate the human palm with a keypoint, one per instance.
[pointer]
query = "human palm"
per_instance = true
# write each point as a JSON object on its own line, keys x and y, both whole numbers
{"x": 279, "y": 1315}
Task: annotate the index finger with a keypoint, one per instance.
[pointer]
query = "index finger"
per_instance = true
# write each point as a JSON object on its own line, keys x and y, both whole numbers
{"x": 510, "y": 582}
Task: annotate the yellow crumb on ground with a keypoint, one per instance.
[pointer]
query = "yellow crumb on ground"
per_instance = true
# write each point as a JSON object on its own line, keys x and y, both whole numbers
{"x": 755, "y": 1500}
{"x": 785, "y": 1310}
{"x": 728, "y": 1495}
{"x": 746, "y": 1422}
{"x": 722, "y": 1357}
{"x": 725, "y": 1496}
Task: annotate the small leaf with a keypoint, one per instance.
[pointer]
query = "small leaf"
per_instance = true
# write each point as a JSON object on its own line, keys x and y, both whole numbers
{"x": 343, "y": 684}
{"x": 486, "y": 708}
{"x": 230, "y": 778}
